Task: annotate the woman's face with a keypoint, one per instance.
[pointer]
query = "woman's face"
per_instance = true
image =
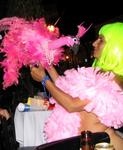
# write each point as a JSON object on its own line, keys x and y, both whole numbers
{"x": 98, "y": 46}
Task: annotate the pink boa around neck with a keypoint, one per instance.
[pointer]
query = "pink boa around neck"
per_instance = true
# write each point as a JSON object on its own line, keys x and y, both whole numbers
{"x": 86, "y": 83}
{"x": 31, "y": 43}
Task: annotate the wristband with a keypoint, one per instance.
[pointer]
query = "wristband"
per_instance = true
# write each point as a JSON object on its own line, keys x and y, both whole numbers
{"x": 43, "y": 81}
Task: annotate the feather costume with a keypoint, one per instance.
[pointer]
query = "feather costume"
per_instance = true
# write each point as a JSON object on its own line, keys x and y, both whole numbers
{"x": 86, "y": 83}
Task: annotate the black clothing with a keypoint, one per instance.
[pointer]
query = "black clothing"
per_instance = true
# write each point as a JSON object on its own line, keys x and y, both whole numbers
{"x": 7, "y": 135}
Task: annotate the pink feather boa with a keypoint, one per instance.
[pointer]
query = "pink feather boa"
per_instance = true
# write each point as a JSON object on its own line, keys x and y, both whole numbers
{"x": 106, "y": 102}
{"x": 30, "y": 43}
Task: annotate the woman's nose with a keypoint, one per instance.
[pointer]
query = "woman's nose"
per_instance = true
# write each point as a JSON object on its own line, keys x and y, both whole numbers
{"x": 94, "y": 44}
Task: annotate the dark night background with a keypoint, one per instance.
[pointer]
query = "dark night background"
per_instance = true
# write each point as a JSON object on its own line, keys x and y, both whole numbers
{"x": 70, "y": 14}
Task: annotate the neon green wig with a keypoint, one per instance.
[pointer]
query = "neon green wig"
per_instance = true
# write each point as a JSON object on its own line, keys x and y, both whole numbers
{"x": 111, "y": 58}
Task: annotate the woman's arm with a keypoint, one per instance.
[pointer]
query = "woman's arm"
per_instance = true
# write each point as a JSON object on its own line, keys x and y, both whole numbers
{"x": 68, "y": 102}
{"x": 116, "y": 140}
{"x": 53, "y": 73}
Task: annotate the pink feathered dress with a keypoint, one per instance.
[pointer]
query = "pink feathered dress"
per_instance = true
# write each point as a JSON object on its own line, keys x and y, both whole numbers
{"x": 106, "y": 102}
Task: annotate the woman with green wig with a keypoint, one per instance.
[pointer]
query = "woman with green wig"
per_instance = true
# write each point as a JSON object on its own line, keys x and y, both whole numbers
{"x": 111, "y": 58}
{"x": 88, "y": 98}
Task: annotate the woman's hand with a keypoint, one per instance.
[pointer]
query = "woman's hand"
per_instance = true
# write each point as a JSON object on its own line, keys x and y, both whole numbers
{"x": 53, "y": 73}
{"x": 4, "y": 113}
{"x": 90, "y": 121}
{"x": 38, "y": 73}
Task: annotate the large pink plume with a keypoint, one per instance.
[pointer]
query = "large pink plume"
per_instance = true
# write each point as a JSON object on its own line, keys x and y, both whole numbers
{"x": 30, "y": 43}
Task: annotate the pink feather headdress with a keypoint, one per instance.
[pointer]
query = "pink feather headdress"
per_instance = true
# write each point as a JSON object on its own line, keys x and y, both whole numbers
{"x": 29, "y": 43}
